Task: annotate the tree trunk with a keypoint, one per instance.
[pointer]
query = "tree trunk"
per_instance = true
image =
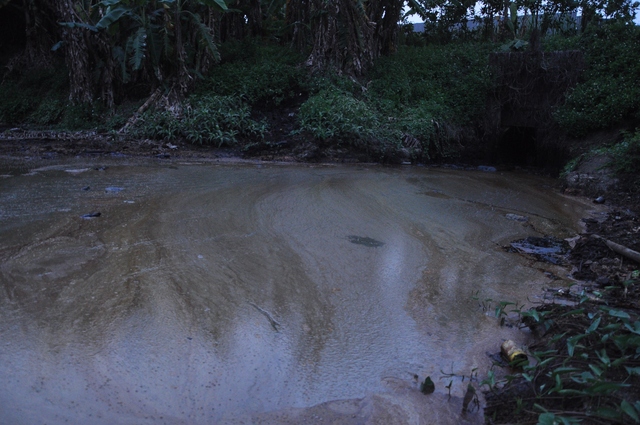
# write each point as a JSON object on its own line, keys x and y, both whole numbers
{"x": 297, "y": 18}
{"x": 342, "y": 37}
{"x": 254, "y": 18}
{"x": 76, "y": 53}
{"x": 346, "y": 35}
{"x": 387, "y": 14}
{"x": 37, "y": 41}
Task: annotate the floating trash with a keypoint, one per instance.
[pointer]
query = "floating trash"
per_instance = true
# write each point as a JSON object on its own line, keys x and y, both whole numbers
{"x": 512, "y": 353}
{"x": 550, "y": 250}
{"x": 516, "y": 217}
{"x": 113, "y": 189}
{"x": 91, "y": 215}
{"x": 363, "y": 240}
{"x": 77, "y": 170}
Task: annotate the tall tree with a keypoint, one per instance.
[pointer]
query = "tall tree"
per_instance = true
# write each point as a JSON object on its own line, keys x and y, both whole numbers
{"x": 346, "y": 35}
{"x": 76, "y": 49}
{"x": 109, "y": 43}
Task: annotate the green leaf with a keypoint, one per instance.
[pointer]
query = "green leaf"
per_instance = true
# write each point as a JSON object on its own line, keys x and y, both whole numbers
{"x": 595, "y": 370}
{"x": 79, "y": 25}
{"x": 617, "y": 362}
{"x": 608, "y": 413}
{"x": 617, "y": 313}
{"x": 629, "y": 410}
{"x": 635, "y": 328}
{"x": 584, "y": 378}
{"x": 547, "y": 419}
{"x": 594, "y": 325}
{"x": 205, "y": 35}
{"x": 633, "y": 370}
{"x": 137, "y": 46}
{"x": 604, "y": 358}
{"x": 112, "y": 16}
{"x": 574, "y": 312}
{"x": 605, "y": 387}
{"x": 572, "y": 392}
{"x": 561, "y": 370}
{"x": 57, "y": 46}
{"x": 571, "y": 343}
{"x": 218, "y": 4}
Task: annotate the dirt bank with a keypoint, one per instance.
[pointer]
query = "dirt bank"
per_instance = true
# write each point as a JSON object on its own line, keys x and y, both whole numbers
{"x": 583, "y": 364}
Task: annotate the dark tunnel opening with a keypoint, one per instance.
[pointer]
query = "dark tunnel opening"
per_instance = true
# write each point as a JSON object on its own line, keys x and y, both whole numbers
{"x": 518, "y": 146}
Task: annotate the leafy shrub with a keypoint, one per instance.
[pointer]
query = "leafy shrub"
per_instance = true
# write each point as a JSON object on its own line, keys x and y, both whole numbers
{"x": 451, "y": 80}
{"x": 626, "y": 154}
{"x": 48, "y": 112}
{"x": 82, "y": 116}
{"x": 585, "y": 367}
{"x": 266, "y": 74}
{"x": 218, "y": 120}
{"x": 15, "y": 106}
{"x": 609, "y": 92}
{"x": 36, "y": 97}
{"x": 338, "y": 116}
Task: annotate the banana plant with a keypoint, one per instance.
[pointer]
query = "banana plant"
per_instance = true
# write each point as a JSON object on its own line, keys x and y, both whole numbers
{"x": 151, "y": 35}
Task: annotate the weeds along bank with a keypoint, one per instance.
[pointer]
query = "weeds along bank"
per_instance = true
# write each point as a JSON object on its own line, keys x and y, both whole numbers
{"x": 426, "y": 102}
{"x": 416, "y": 103}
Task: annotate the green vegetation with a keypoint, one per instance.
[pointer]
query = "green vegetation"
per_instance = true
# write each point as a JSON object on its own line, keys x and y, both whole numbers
{"x": 608, "y": 94}
{"x": 265, "y": 74}
{"x": 422, "y": 109}
{"x": 624, "y": 156}
{"x": 222, "y": 70}
{"x": 583, "y": 368}
{"x": 210, "y": 120}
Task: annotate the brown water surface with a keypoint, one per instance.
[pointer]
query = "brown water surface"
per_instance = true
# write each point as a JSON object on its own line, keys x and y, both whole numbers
{"x": 256, "y": 293}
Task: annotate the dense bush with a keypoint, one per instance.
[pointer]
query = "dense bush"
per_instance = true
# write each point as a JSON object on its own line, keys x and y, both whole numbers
{"x": 451, "y": 80}
{"x": 36, "y": 97}
{"x": 338, "y": 116}
{"x": 608, "y": 93}
{"x": 268, "y": 74}
{"x": 416, "y": 99}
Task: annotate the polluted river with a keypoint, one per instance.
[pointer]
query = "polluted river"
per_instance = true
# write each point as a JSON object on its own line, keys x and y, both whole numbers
{"x": 136, "y": 292}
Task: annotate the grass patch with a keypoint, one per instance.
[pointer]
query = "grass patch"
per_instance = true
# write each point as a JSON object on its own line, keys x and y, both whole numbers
{"x": 206, "y": 120}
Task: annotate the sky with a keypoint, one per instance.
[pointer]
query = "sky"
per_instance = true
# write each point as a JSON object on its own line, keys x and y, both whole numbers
{"x": 416, "y": 18}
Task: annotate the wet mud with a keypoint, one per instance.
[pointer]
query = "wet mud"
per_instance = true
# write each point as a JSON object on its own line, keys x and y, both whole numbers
{"x": 206, "y": 293}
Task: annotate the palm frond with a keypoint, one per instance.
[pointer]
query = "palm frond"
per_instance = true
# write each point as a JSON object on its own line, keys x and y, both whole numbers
{"x": 204, "y": 35}
{"x": 136, "y": 46}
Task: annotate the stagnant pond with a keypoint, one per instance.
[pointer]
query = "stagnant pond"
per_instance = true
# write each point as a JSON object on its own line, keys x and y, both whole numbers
{"x": 257, "y": 293}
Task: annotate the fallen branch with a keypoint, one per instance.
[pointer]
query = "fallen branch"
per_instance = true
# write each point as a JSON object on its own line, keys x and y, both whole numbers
{"x": 141, "y": 110}
{"x": 621, "y": 249}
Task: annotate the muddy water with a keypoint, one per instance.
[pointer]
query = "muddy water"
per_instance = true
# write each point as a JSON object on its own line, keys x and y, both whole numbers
{"x": 209, "y": 293}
